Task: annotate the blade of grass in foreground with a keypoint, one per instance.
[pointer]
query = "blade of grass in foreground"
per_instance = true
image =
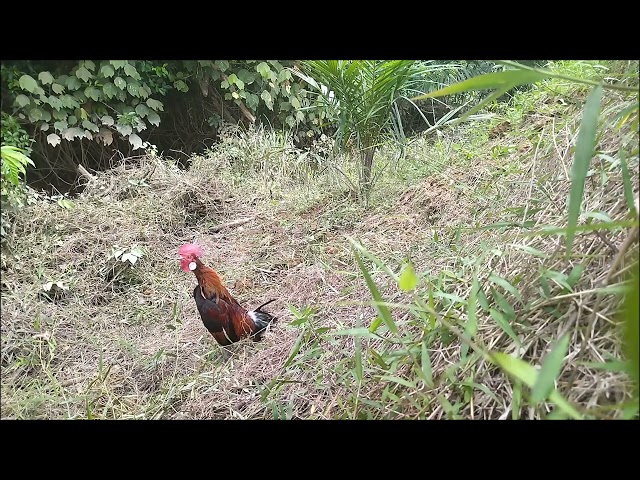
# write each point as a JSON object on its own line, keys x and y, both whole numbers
{"x": 524, "y": 372}
{"x": 630, "y": 335}
{"x": 584, "y": 151}
{"x": 383, "y": 311}
{"x": 471, "y": 327}
{"x": 626, "y": 180}
{"x": 499, "y": 80}
{"x": 551, "y": 367}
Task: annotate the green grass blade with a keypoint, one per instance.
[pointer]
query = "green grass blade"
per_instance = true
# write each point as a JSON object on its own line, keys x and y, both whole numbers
{"x": 626, "y": 181}
{"x": 551, "y": 368}
{"x": 506, "y": 285}
{"x": 630, "y": 331}
{"x": 355, "y": 332}
{"x": 584, "y": 151}
{"x": 427, "y": 372}
{"x": 358, "y": 346}
{"x": 471, "y": 327}
{"x": 551, "y": 230}
{"x": 517, "y": 400}
{"x": 504, "y": 324}
{"x": 398, "y": 380}
{"x": 501, "y": 80}
{"x": 521, "y": 370}
{"x": 383, "y": 311}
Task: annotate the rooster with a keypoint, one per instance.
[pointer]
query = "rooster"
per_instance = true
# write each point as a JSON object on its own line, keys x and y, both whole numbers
{"x": 221, "y": 314}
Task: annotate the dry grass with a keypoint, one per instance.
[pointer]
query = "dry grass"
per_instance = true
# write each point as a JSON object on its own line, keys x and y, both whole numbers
{"x": 126, "y": 341}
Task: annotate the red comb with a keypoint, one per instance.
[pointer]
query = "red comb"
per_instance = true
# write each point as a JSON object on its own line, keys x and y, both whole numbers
{"x": 190, "y": 249}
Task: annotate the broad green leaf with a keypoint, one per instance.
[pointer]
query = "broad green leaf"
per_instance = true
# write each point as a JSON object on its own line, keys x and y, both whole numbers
{"x": 135, "y": 140}
{"x": 551, "y": 367}
{"x": 107, "y": 120}
{"x": 27, "y": 83}
{"x": 107, "y": 71}
{"x": 44, "y": 126}
{"x": 408, "y": 278}
{"x": 60, "y": 125}
{"x": 120, "y": 83}
{"x": 124, "y": 130}
{"x": 55, "y": 102}
{"x": 142, "y": 110}
{"x": 89, "y": 65}
{"x": 504, "y": 324}
{"x": 263, "y": 69}
{"x": 57, "y": 88}
{"x": 155, "y": 105}
{"x": 144, "y": 91}
{"x": 133, "y": 88}
{"x": 109, "y": 90}
{"x": 181, "y": 86}
{"x": 73, "y": 83}
{"x": 83, "y": 74}
{"x": 90, "y": 126}
{"x": 284, "y": 75}
{"x": 118, "y": 64}
{"x": 88, "y": 134}
{"x": 498, "y": 80}
{"x": 35, "y": 114}
{"x": 45, "y": 78}
{"x": 69, "y": 102}
{"x": 53, "y": 139}
{"x": 59, "y": 115}
{"x": 131, "y": 71}
{"x": 585, "y": 146}
{"x": 153, "y": 118}
{"x": 295, "y": 102}
{"x": 252, "y": 101}
{"x": 521, "y": 370}
{"x": 22, "y": 100}
{"x": 266, "y": 96}
{"x": 92, "y": 93}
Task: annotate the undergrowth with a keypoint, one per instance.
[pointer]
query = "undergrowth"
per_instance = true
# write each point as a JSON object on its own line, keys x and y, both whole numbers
{"x": 436, "y": 301}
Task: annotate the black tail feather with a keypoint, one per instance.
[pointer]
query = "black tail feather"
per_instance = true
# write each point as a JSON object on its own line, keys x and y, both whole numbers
{"x": 264, "y": 304}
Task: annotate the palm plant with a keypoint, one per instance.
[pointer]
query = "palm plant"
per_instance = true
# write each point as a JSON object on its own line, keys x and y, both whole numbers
{"x": 363, "y": 93}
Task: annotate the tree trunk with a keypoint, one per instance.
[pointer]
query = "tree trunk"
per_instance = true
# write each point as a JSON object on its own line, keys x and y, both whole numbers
{"x": 367, "y": 166}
